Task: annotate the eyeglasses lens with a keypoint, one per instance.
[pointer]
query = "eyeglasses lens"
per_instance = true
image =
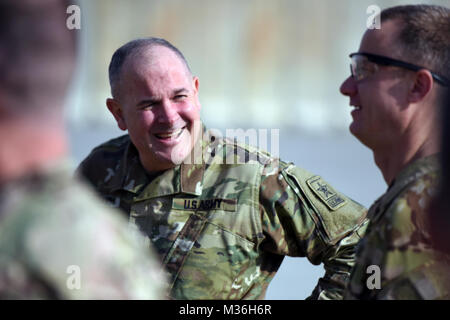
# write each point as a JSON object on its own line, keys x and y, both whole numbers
{"x": 361, "y": 67}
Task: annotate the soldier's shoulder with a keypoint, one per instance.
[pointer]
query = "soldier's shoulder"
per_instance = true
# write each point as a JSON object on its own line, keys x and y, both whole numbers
{"x": 104, "y": 155}
{"x": 110, "y": 148}
{"x": 405, "y": 224}
{"x": 51, "y": 192}
{"x": 247, "y": 153}
{"x": 39, "y": 206}
{"x": 58, "y": 223}
{"x": 412, "y": 203}
{"x": 418, "y": 185}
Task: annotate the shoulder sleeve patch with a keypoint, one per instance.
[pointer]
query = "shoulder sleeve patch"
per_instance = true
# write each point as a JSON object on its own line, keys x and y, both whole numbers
{"x": 336, "y": 214}
{"x": 326, "y": 193}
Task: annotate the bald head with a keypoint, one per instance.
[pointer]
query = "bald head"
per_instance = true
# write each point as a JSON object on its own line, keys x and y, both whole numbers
{"x": 140, "y": 53}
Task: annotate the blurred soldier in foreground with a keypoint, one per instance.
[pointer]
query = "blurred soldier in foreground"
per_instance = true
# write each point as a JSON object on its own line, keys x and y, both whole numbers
{"x": 399, "y": 76}
{"x": 222, "y": 215}
{"x": 57, "y": 240}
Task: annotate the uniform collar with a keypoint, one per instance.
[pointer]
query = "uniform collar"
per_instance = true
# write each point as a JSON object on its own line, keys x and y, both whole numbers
{"x": 131, "y": 176}
{"x": 416, "y": 169}
{"x": 410, "y": 173}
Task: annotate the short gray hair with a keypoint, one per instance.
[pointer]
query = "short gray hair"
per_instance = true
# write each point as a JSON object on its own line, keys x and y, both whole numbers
{"x": 424, "y": 36}
{"x": 133, "y": 46}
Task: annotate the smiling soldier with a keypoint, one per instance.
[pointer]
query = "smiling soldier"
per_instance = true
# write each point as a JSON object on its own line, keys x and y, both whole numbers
{"x": 399, "y": 75}
{"x": 221, "y": 228}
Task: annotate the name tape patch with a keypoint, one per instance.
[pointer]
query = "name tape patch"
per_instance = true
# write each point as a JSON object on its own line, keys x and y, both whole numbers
{"x": 204, "y": 204}
{"x": 326, "y": 193}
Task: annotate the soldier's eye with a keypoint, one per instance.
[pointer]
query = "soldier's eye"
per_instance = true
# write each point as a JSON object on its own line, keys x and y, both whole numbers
{"x": 148, "y": 105}
{"x": 180, "y": 97}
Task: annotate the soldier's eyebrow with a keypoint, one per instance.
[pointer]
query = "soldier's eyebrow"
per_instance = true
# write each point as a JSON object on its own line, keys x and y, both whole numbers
{"x": 149, "y": 101}
{"x": 154, "y": 100}
{"x": 181, "y": 90}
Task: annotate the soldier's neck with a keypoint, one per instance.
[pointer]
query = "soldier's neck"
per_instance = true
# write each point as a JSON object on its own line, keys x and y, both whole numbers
{"x": 154, "y": 167}
{"x": 391, "y": 160}
{"x": 28, "y": 146}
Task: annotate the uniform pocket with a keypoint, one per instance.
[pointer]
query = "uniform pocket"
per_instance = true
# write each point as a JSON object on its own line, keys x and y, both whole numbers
{"x": 216, "y": 259}
{"x": 159, "y": 224}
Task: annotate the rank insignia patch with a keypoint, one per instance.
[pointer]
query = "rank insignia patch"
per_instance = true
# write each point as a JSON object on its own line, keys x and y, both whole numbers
{"x": 326, "y": 193}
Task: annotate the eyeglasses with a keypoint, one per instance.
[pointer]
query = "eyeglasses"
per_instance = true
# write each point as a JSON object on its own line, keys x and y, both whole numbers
{"x": 360, "y": 67}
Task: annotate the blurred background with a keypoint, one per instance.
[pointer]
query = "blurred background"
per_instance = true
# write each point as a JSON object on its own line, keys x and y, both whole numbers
{"x": 262, "y": 64}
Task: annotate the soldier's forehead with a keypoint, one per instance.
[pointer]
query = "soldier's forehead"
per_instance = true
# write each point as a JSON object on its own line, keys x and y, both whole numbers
{"x": 153, "y": 58}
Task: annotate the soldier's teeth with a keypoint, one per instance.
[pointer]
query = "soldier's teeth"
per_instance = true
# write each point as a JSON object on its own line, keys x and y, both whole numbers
{"x": 169, "y": 134}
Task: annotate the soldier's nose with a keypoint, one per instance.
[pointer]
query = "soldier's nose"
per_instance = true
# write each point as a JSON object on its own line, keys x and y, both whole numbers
{"x": 348, "y": 87}
{"x": 168, "y": 113}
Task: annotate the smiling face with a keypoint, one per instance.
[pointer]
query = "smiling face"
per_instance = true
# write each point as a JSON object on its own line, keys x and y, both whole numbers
{"x": 158, "y": 104}
{"x": 381, "y": 99}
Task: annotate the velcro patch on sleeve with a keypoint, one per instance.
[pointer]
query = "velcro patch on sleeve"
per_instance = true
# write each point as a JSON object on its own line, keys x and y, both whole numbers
{"x": 326, "y": 193}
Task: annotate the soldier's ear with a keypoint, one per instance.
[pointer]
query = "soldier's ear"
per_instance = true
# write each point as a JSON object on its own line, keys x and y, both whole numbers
{"x": 116, "y": 109}
{"x": 423, "y": 83}
{"x": 195, "y": 83}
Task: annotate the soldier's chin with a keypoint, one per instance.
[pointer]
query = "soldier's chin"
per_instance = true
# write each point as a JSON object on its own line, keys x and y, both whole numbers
{"x": 361, "y": 135}
{"x": 354, "y": 129}
{"x": 180, "y": 152}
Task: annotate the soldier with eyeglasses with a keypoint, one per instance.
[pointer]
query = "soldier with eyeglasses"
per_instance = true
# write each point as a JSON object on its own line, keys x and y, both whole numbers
{"x": 398, "y": 77}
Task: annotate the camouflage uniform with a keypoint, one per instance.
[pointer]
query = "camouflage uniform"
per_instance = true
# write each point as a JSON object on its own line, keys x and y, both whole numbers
{"x": 222, "y": 225}
{"x": 398, "y": 242}
{"x": 58, "y": 241}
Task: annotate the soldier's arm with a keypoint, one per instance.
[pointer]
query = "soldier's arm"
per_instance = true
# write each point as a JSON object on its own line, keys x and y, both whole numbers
{"x": 304, "y": 216}
{"x": 338, "y": 264}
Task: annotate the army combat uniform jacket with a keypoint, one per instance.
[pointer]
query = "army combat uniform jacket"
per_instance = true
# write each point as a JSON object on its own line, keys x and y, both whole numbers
{"x": 59, "y": 241}
{"x": 396, "y": 260}
{"x": 222, "y": 225}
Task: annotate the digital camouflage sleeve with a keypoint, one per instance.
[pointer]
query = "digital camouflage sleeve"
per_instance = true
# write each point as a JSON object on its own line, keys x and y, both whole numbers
{"x": 303, "y": 216}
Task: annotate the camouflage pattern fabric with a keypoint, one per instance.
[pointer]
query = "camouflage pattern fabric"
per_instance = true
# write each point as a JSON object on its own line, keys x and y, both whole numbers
{"x": 398, "y": 242}
{"x": 223, "y": 223}
{"x": 58, "y": 241}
